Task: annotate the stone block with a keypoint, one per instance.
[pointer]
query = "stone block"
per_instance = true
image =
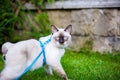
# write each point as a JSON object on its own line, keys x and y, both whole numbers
{"x": 102, "y": 44}
{"x": 78, "y": 42}
{"x": 105, "y": 24}
{"x": 116, "y": 44}
{"x": 82, "y": 21}
{"x": 60, "y": 18}
{"x": 118, "y": 22}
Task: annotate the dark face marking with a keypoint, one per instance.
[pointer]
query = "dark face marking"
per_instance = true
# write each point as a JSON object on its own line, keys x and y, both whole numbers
{"x": 61, "y": 38}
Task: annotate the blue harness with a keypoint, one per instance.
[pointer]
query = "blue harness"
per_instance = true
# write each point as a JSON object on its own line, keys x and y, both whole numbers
{"x": 42, "y": 45}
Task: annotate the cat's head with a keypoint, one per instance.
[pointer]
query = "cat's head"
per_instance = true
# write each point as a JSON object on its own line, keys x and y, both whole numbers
{"x": 61, "y": 37}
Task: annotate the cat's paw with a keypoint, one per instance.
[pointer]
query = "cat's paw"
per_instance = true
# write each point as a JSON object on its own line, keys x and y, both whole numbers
{"x": 65, "y": 78}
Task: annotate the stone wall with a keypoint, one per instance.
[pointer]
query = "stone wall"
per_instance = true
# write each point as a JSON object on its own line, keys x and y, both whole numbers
{"x": 95, "y": 22}
{"x": 101, "y": 26}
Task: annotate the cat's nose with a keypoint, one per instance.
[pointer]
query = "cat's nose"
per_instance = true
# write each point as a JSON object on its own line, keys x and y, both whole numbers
{"x": 61, "y": 41}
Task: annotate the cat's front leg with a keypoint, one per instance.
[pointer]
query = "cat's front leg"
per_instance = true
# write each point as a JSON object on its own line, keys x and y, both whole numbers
{"x": 48, "y": 69}
{"x": 58, "y": 68}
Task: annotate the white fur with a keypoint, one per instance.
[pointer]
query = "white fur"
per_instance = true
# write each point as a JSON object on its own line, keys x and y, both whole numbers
{"x": 6, "y": 46}
{"x": 21, "y": 55}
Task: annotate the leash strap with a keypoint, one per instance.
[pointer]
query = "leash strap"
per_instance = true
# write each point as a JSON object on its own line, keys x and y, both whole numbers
{"x": 44, "y": 57}
{"x": 30, "y": 66}
{"x": 43, "y": 51}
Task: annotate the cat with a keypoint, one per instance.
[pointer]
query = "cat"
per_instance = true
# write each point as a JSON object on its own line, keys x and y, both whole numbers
{"x": 22, "y": 53}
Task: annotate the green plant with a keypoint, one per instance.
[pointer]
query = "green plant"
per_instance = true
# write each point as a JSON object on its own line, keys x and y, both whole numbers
{"x": 13, "y": 19}
{"x": 41, "y": 2}
{"x": 7, "y": 21}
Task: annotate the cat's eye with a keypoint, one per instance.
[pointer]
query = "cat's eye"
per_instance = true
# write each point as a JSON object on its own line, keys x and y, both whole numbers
{"x": 65, "y": 38}
{"x": 57, "y": 38}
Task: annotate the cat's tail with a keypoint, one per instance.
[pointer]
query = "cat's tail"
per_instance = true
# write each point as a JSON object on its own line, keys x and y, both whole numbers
{"x": 5, "y": 47}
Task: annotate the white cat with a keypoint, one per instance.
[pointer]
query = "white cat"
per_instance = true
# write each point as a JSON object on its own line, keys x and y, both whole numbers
{"x": 21, "y": 54}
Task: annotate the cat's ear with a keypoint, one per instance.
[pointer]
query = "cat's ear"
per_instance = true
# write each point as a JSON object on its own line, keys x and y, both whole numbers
{"x": 54, "y": 29}
{"x": 68, "y": 28}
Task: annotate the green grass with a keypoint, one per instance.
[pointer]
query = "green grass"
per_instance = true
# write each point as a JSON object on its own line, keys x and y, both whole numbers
{"x": 83, "y": 65}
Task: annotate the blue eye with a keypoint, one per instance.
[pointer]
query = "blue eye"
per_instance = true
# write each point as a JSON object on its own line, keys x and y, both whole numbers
{"x": 65, "y": 38}
{"x": 57, "y": 38}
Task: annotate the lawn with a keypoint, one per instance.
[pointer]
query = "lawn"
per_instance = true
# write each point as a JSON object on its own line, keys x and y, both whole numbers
{"x": 83, "y": 65}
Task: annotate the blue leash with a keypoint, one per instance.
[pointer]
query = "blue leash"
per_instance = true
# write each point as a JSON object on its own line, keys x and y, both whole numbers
{"x": 42, "y": 45}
